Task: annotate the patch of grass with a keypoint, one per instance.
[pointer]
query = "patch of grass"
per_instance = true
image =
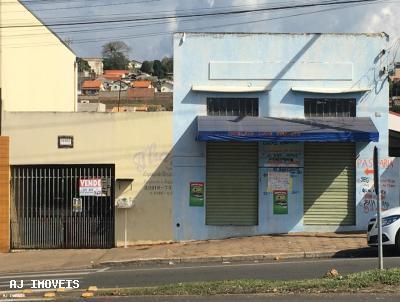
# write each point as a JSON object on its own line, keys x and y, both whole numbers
{"x": 372, "y": 281}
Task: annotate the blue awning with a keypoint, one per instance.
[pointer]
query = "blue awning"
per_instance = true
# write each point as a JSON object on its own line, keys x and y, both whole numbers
{"x": 251, "y": 129}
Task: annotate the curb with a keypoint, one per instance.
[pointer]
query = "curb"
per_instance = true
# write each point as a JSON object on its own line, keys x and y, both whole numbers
{"x": 220, "y": 259}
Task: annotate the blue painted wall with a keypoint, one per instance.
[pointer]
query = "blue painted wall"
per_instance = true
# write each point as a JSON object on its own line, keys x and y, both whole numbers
{"x": 279, "y": 61}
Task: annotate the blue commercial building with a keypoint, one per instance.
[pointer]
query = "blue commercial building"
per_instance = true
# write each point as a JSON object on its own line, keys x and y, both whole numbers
{"x": 274, "y": 133}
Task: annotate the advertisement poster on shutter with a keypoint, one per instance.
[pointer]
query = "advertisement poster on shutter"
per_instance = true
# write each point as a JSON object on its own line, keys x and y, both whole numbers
{"x": 280, "y": 198}
{"x": 279, "y": 181}
{"x": 90, "y": 187}
{"x": 196, "y": 194}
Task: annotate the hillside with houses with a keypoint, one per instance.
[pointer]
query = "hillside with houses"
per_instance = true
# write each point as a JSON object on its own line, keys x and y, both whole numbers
{"x": 120, "y": 90}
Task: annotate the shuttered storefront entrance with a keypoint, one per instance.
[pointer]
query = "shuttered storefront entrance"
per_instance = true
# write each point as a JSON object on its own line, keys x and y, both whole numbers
{"x": 48, "y": 209}
{"x": 329, "y": 184}
{"x": 232, "y": 183}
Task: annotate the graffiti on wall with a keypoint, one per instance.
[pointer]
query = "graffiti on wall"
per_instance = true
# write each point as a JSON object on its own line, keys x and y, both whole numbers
{"x": 366, "y": 185}
{"x": 369, "y": 202}
{"x": 148, "y": 157}
{"x": 369, "y": 164}
{"x": 155, "y": 167}
{"x": 281, "y": 155}
{"x": 388, "y": 183}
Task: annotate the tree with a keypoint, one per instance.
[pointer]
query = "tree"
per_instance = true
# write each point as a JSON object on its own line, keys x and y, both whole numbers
{"x": 115, "y": 55}
{"x": 147, "y": 67}
{"x": 158, "y": 69}
{"x": 168, "y": 64}
{"x": 83, "y": 65}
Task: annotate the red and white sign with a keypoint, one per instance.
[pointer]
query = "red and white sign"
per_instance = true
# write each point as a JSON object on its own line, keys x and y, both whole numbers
{"x": 90, "y": 187}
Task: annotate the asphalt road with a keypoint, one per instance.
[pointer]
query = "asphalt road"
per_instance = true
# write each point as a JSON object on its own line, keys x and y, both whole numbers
{"x": 263, "y": 298}
{"x": 130, "y": 276}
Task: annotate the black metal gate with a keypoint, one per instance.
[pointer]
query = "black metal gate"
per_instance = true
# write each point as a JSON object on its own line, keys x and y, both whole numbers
{"x": 48, "y": 209}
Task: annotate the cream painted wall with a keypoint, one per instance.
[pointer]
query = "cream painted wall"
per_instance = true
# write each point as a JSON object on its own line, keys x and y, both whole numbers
{"x": 37, "y": 71}
{"x": 139, "y": 144}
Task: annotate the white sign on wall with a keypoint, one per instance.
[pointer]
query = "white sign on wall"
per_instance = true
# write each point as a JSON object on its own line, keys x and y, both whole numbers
{"x": 90, "y": 187}
{"x": 278, "y": 181}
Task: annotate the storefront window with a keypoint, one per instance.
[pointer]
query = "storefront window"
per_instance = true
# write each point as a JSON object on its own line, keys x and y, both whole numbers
{"x": 329, "y": 107}
{"x": 232, "y": 106}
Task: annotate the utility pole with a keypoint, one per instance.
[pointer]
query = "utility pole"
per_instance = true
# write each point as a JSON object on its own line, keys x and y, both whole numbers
{"x": 379, "y": 208}
{"x": 119, "y": 93}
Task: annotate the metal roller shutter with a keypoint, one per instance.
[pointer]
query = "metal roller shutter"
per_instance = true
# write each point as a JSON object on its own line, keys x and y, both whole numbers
{"x": 232, "y": 183}
{"x": 329, "y": 184}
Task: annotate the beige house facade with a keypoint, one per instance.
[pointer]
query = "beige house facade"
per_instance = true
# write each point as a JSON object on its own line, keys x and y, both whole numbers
{"x": 96, "y": 64}
{"x": 38, "y": 71}
{"x": 133, "y": 143}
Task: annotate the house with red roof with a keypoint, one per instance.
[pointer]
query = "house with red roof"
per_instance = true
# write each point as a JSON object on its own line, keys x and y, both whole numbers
{"x": 119, "y": 74}
{"x": 141, "y": 89}
{"x": 142, "y": 84}
{"x": 92, "y": 87}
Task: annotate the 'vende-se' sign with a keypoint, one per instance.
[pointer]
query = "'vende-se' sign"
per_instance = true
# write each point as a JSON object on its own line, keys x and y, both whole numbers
{"x": 90, "y": 187}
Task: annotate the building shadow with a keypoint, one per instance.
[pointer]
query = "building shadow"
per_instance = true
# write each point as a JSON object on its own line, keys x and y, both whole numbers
{"x": 367, "y": 252}
{"x": 150, "y": 218}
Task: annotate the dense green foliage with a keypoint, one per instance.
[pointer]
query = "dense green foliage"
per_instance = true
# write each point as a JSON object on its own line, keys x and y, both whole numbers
{"x": 83, "y": 65}
{"x": 147, "y": 67}
{"x": 158, "y": 68}
{"x": 115, "y": 55}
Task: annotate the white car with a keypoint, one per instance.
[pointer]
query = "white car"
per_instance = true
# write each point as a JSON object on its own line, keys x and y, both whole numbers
{"x": 390, "y": 229}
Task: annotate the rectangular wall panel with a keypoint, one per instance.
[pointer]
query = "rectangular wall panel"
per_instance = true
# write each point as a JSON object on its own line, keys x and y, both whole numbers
{"x": 259, "y": 70}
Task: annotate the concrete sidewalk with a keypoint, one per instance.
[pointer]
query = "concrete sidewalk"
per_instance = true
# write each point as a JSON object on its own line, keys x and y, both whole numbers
{"x": 296, "y": 245}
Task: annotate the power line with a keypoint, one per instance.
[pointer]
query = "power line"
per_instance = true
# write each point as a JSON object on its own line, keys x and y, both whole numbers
{"x": 395, "y": 46}
{"x": 144, "y": 24}
{"x": 152, "y": 34}
{"x": 126, "y": 26}
{"x": 177, "y": 10}
{"x": 89, "y": 6}
{"x": 164, "y": 11}
{"x": 258, "y": 21}
{"x": 42, "y": 2}
{"x": 194, "y": 15}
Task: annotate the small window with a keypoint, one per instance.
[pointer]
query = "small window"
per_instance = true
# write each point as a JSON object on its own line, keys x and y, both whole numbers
{"x": 329, "y": 107}
{"x": 232, "y": 106}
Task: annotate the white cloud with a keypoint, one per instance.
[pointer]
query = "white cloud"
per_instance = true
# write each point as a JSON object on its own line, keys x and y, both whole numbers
{"x": 386, "y": 19}
{"x": 361, "y": 18}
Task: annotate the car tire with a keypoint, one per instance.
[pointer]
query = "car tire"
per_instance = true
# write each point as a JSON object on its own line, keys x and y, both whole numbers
{"x": 398, "y": 242}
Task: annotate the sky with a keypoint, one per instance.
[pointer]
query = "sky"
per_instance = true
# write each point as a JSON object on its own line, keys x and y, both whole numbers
{"x": 149, "y": 40}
